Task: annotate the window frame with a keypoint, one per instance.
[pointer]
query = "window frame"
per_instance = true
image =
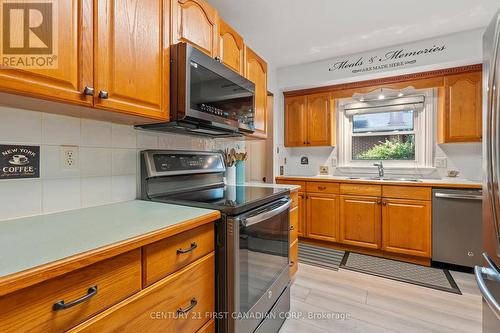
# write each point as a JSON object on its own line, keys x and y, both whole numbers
{"x": 424, "y": 137}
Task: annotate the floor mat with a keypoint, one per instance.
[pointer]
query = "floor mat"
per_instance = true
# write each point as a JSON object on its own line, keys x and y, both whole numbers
{"x": 429, "y": 277}
{"x": 320, "y": 256}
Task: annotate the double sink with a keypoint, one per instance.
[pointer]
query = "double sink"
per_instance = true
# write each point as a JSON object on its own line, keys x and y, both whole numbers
{"x": 394, "y": 179}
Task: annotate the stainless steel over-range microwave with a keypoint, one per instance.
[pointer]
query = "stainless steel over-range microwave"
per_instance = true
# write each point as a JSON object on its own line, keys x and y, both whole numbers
{"x": 207, "y": 98}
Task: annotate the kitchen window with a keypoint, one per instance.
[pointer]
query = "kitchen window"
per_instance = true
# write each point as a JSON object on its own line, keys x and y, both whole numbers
{"x": 397, "y": 130}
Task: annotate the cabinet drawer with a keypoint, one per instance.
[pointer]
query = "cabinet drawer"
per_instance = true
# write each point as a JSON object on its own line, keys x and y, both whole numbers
{"x": 407, "y": 192}
{"x": 31, "y": 309}
{"x": 294, "y": 258}
{"x": 178, "y": 303}
{"x": 293, "y": 182}
{"x": 361, "y": 189}
{"x": 294, "y": 224}
{"x": 317, "y": 187}
{"x": 169, "y": 255}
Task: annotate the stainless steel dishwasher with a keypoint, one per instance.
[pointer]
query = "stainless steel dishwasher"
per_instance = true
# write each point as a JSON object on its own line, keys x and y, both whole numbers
{"x": 456, "y": 226}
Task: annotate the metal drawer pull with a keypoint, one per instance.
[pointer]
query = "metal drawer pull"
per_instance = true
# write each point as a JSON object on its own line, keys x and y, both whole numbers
{"x": 193, "y": 246}
{"x": 63, "y": 306}
{"x": 194, "y": 302}
{"x": 88, "y": 91}
{"x": 103, "y": 94}
{"x": 458, "y": 196}
{"x": 321, "y": 188}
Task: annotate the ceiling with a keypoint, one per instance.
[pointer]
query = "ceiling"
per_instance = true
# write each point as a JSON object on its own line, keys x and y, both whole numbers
{"x": 288, "y": 32}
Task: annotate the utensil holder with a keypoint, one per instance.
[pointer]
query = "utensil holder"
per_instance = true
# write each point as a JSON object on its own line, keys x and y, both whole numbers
{"x": 240, "y": 172}
{"x": 231, "y": 175}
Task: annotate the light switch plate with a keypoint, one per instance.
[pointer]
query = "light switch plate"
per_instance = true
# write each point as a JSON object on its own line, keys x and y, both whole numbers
{"x": 441, "y": 162}
{"x": 323, "y": 170}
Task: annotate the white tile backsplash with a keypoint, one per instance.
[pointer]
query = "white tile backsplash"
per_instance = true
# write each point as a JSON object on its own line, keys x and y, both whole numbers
{"x": 96, "y": 191}
{"x": 124, "y": 161}
{"x": 96, "y": 133}
{"x": 123, "y": 136}
{"x": 20, "y": 198}
{"x": 95, "y": 162}
{"x": 61, "y": 194}
{"x": 60, "y": 130}
{"x": 123, "y": 188}
{"x": 20, "y": 125}
{"x": 108, "y": 161}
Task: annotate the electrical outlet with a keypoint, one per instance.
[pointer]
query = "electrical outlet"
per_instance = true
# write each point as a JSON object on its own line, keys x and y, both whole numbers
{"x": 323, "y": 170}
{"x": 69, "y": 158}
{"x": 441, "y": 162}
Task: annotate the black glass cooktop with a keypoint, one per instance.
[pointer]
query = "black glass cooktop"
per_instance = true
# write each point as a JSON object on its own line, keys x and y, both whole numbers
{"x": 229, "y": 199}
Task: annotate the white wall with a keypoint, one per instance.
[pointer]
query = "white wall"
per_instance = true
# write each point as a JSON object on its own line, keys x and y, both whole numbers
{"x": 108, "y": 165}
{"x": 461, "y": 49}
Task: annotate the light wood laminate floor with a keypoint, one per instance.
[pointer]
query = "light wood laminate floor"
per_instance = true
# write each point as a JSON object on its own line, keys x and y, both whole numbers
{"x": 374, "y": 304}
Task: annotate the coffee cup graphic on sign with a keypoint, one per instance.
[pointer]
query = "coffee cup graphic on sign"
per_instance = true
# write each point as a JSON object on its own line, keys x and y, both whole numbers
{"x": 19, "y": 160}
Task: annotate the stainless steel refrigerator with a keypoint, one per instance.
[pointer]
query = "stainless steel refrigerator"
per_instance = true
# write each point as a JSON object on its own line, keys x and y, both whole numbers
{"x": 488, "y": 276}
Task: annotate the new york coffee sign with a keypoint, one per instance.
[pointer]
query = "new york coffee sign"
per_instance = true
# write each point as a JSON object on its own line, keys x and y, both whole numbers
{"x": 19, "y": 161}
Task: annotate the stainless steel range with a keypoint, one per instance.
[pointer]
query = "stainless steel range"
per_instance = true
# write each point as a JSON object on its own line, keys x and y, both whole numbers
{"x": 252, "y": 245}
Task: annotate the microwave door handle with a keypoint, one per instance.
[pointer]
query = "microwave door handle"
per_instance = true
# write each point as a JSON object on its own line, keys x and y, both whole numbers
{"x": 268, "y": 214}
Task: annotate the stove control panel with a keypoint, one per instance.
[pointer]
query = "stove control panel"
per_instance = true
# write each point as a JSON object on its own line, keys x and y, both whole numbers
{"x": 187, "y": 162}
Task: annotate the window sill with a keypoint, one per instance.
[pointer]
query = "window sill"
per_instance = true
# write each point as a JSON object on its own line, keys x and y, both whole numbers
{"x": 389, "y": 170}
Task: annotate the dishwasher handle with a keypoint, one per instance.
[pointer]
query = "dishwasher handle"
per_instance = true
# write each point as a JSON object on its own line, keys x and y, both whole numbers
{"x": 458, "y": 196}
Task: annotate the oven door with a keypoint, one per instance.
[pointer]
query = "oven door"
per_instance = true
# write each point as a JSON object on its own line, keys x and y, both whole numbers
{"x": 258, "y": 263}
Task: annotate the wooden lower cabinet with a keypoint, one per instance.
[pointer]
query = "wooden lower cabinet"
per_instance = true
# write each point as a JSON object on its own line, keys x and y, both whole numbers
{"x": 294, "y": 258}
{"x": 302, "y": 215}
{"x": 323, "y": 216}
{"x": 111, "y": 281}
{"x": 360, "y": 221}
{"x": 208, "y": 328}
{"x": 407, "y": 226}
{"x": 182, "y": 302}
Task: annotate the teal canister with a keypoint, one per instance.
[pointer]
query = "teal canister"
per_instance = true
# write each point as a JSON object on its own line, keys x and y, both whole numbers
{"x": 240, "y": 172}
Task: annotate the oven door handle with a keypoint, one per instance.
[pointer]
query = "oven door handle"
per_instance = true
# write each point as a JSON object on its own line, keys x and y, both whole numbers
{"x": 268, "y": 214}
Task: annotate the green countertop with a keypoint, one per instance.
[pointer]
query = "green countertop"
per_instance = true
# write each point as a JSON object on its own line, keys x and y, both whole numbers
{"x": 26, "y": 243}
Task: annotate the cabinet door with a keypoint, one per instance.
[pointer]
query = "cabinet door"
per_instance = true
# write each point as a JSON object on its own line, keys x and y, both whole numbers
{"x": 132, "y": 60}
{"x": 295, "y": 121}
{"x": 195, "y": 22}
{"x": 319, "y": 116}
{"x": 256, "y": 71}
{"x": 73, "y": 49}
{"x": 323, "y": 216}
{"x": 406, "y": 226}
{"x": 231, "y": 48}
{"x": 360, "y": 221}
{"x": 463, "y": 108}
{"x": 302, "y": 215}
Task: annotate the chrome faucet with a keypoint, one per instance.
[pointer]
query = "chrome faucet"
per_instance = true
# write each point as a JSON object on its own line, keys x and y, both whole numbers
{"x": 380, "y": 167}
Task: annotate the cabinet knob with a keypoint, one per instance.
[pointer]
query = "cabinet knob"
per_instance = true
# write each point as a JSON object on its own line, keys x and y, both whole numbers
{"x": 292, "y": 263}
{"x": 321, "y": 188}
{"x": 103, "y": 94}
{"x": 218, "y": 59}
{"x": 291, "y": 227}
{"x": 379, "y": 202}
{"x": 384, "y": 203}
{"x": 88, "y": 91}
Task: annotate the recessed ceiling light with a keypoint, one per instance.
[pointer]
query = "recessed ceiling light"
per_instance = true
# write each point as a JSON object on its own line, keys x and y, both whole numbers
{"x": 381, "y": 96}
{"x": 401, "y": 94}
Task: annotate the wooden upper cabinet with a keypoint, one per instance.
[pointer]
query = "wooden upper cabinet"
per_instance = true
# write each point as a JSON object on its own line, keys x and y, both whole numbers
{"x": 231, "y": 48}
{"x": 309, "y": 120}
{"x": 256, "y": 71}
{"x": 360, "y": 221}
{"x": 131, "y": 66}
{"x": 295, "y": 121}
{"x": 460, "y": 119}
{"x": 323, "y": 217}
{"x": 195, "y": 22}
{"x": 319, "y": 117}
{"x": 406, "y": 226}
{"x": 73, "y": 71}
